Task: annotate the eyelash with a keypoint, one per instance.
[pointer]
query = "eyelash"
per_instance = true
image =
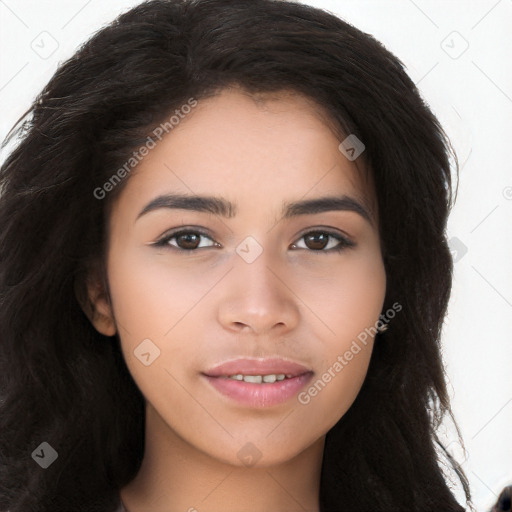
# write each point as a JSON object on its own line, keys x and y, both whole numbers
{"x": 344, "y": 243}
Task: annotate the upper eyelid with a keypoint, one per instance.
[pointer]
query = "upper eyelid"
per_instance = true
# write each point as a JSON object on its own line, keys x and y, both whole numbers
{"x": 178, "y": 231}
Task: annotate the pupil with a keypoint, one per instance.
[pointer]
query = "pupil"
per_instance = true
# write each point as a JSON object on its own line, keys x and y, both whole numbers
{"x": 189, "y": 239}
{"x": 316, "y": 243}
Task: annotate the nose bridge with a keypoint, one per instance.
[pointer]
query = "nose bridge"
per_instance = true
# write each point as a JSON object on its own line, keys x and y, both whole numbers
{"x": 257, "y": 296}
{"x": 256, "y": 271}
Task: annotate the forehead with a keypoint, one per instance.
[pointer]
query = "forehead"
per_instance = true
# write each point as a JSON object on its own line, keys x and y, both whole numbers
{"x": 252, "y": 150}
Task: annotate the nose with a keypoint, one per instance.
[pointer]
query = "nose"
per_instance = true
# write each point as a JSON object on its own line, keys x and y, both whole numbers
{"x": 258, "y": 298}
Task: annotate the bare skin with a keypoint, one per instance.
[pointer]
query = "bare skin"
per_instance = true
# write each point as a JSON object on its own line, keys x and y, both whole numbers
{"x": 299, "y": 299}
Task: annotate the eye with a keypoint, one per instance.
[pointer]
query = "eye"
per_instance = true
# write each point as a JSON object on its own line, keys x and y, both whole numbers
{"x": 316, "y": 241}
{"x": 186, "y": 240}
{"x": 319, "y": 240}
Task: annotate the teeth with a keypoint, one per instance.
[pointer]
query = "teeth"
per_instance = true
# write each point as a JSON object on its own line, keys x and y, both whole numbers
{"x": 258, "y": 379}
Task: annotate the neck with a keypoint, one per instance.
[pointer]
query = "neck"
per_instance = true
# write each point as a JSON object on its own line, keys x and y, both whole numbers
{"x": 177, "y": 477}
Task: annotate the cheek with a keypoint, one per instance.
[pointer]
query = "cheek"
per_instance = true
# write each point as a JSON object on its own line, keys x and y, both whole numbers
{"x": 349, "y": 303}
{"x": 150, "y": 297}
{"x": 346, "y": 298}
{"x": 156, "y": 308}
{"x": 335, "y": 387}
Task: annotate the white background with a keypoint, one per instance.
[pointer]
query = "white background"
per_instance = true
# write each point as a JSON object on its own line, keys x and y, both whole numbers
{"x": 470, "y": 90}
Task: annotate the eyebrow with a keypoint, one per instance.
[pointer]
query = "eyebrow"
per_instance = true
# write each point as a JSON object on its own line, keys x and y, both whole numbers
{"x": 222, "y": 207}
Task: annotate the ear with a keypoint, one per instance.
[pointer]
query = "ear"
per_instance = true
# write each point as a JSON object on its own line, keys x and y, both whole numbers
{"x": 92, "y": 293}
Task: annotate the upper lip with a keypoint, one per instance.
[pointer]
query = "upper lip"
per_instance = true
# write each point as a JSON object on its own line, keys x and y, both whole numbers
{"x": 270, "y": 366}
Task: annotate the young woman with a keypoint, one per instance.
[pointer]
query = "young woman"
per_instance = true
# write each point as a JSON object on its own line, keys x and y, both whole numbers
{"x": 224, "y": 271}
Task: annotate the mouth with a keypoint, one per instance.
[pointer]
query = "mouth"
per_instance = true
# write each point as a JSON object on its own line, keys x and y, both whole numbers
{"x": 259, "y": 382}
{"x": 259, "y": 379}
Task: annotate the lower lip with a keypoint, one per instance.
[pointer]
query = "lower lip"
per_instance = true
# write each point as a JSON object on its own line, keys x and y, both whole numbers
{"x": 259, "y": 395}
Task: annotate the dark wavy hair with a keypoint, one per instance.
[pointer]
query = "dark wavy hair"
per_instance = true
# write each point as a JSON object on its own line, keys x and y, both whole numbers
{"x": 64, "y": 383}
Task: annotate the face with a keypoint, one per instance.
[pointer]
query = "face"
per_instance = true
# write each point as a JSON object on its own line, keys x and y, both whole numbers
{"x": 236, "y": 317}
